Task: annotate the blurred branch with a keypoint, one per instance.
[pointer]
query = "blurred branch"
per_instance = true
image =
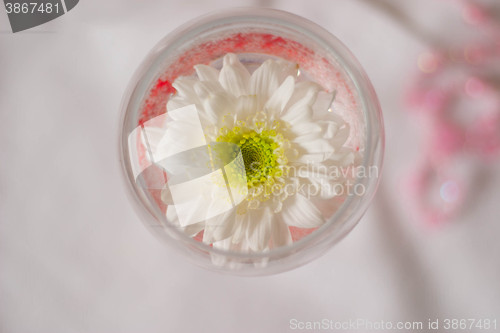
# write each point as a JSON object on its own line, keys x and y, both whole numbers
{"x": 390, "y": 8}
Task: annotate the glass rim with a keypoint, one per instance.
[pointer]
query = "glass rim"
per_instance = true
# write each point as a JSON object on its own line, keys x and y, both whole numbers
{"x": 370, "y": 107}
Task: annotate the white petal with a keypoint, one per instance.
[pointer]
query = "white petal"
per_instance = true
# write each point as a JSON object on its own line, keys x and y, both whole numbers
{"x": 230, "y": 59}
{"x": 185, "y": 86}
{"x": 207, "y": 73}
{"x": 321, "y": 146}
{"x": 306, "y": 101}
{"x": 177, "y": 102}
{"x": 319, "y": 179}
{"x": 301, "y": 110}
{"x": 323, "y": 103}
{"x": 241, "y": 225}
{"x": 234, "y": 77}
{"x": 219, "y": 227}
{"x": 152, "y": 138}
{"x": 281, "y": 96}
{"x": 326, "y": 189}
{"x": 180, "y": 134}
{"x": 341, "y": 136}
{"x": 206, "y": 88}
{"x": 255, "y": 217}
{"x": 300, "y": 212}
{"x": 185, "y": 95}
{"x": 194, "y": 229}
{"x": 301, "y": 90}
{"x": 306, "y": 131}
{"x": 298, "y": 116}
{"x": 224, "y": 245}
{"x": 276, "y": 204}
{"x": 314, "y": 171}
{"x": 344, "y": 157}
{"x": 171, "y": 215}
{"x": 264, "y": 81}
{"x": 259, "y": 231}
{"x": 329, "y": 128}
{"x": 172, "y": 218}
{"x": 317, "y": 157}
{"x": 218, "y": 105}
{"x": 246, "y": 106}
{"x": 280, "y": 233}
{"x": 166, "y": 197}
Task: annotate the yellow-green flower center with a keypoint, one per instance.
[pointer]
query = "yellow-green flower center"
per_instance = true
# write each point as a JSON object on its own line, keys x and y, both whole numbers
{"x": 260, "y": 153}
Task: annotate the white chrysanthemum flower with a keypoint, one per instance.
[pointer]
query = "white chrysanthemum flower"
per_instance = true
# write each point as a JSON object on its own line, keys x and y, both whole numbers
{"x": 288, "y": 146}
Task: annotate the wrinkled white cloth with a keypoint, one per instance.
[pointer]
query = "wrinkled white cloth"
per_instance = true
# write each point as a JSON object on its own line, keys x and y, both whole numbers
{"x": 74, "y": 256}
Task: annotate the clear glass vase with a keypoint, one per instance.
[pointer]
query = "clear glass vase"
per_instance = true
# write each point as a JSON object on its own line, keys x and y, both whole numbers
{"x": 254, "y": 36}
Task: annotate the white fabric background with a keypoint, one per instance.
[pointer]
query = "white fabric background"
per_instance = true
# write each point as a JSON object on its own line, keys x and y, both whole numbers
{"x": 74, "y": 257}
